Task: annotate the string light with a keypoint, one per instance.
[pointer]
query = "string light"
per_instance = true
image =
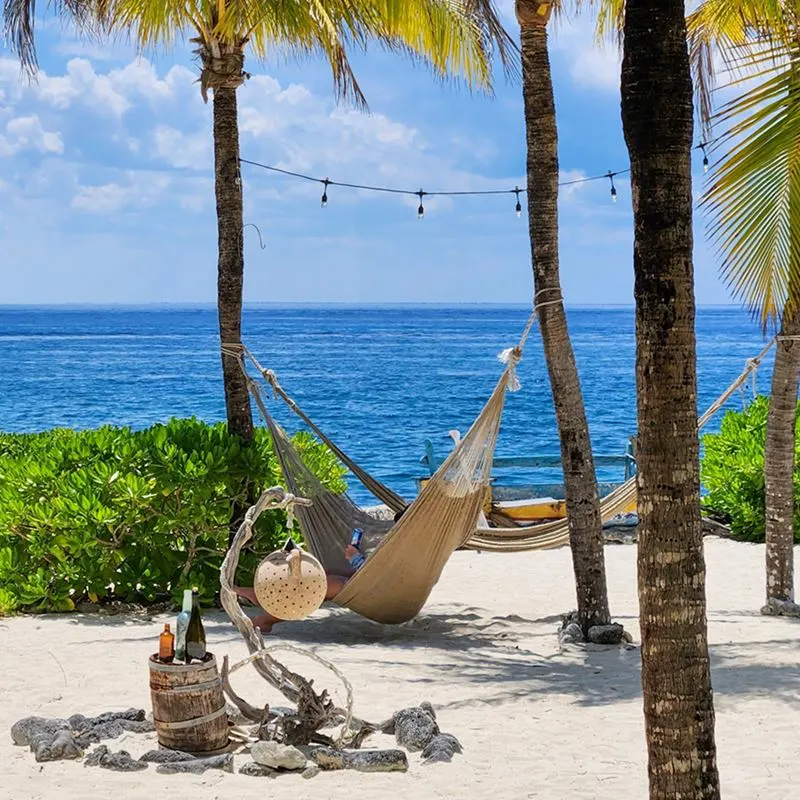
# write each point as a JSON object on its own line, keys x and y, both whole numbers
{"x": 702, "y": 146}
{"x": 518, "y": 207}
{"x": 421, "y": 209}
{"x": 610, "y": 176}
{"x": 325, "y": 193}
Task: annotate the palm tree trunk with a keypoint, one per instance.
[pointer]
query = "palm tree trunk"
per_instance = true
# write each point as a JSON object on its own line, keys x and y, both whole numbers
{"x": 676, "y": 681}
{"x": 230, "y": 266}
{"x": 779, "y": 467}
{"x": 580, "y": 482}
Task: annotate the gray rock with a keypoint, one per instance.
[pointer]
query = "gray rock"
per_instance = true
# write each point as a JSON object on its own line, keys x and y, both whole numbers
{"x": 257, "y": 770}
{"x": 55, "y": 748}
{"x": 277, "y": 756}
{"x": 198, "y": 765}
{"x": 311, "y": 771}
{"x": 441, "y": 749}
{"x": 23, "y": 731}
{"x": 571, "y": 633}
{"x": 415, "y": 727}
{"x": 118, "y": 762}
{"x": 606, "y": 634}
{"x": 166, "y": 756}
{"x": 96, "y": 733}
{"x": 327, "y": 758}
{"x": 131, "y": 715}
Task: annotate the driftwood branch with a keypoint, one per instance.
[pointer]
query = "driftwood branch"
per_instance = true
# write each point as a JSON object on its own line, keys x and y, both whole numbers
{"x": 314, "y": 710}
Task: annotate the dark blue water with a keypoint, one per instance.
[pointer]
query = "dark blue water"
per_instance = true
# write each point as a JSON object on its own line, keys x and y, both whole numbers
{"x": 378, "y": 380}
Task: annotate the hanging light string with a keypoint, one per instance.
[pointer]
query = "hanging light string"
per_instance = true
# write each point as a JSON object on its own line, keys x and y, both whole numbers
{"x": 421, "y": 193}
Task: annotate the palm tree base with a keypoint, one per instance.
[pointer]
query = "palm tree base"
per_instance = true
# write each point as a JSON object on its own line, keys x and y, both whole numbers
{"x": 780, "y": 608}
{"x": 571, "y": 632}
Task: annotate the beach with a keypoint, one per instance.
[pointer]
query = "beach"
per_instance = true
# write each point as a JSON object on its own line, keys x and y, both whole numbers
{"x": 535, "y": 721}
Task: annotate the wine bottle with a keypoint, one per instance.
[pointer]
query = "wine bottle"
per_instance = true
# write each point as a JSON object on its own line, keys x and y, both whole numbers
{"x": 195, "y": 634}
{"x": 182, "y": 625}
{"x": 166, "y": 646}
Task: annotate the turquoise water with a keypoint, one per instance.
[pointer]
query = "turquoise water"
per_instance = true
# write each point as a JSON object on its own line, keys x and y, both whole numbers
{"x": 378, "y": 380}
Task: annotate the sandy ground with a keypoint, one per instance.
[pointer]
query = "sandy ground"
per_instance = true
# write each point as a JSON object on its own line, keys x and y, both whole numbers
{"x": 535, "y": 722}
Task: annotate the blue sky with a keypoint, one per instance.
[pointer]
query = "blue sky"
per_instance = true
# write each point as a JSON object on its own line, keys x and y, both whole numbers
{"x": 106, "y": 191}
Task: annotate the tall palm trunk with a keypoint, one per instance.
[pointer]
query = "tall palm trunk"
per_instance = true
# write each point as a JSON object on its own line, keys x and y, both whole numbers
{"x": 779, "y": 467}
{"x": 580, "y": 482}
{"x": 224, "y": 75}
{"x": 676, "y": 681}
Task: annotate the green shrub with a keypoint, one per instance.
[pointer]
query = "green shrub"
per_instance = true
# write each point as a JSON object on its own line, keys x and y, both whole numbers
{"x": 132, "y": 515}
{"x": 733, "y": 471}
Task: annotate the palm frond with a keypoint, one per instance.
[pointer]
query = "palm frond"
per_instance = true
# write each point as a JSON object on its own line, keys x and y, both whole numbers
{"x": 754, "y": 202}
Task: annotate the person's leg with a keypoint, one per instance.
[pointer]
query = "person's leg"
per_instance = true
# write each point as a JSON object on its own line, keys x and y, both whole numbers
{"x": 335, "y": 585}
{"x": 264, "y": 621}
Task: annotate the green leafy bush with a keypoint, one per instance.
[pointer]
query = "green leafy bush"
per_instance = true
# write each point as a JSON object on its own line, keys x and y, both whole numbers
{"x": 132, "y": 515}
{"x": 733, "y": 471}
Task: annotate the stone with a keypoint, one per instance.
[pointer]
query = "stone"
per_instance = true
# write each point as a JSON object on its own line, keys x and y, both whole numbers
{"x": 198, "y": 765}
{"x": 256, "y": 770}
{"x": 311, "y": 771}
{"x": 277, "y": 756}
{"x": 441, "y": 749}
{"x": 118, "y": 762}
{"x": 96, "y": 733}
{"x": 24, "y": 730}
{"x": 571, "y": 633}
{"x": 131, "y": 714}
{"x": 327, "y": 758}
{"x": 606, "y": 634}
{"x": 55, "y": 748}
{"x": 166, "y": 756}
{"x": 415, "y": 727}
{"x": 627, "y": 637}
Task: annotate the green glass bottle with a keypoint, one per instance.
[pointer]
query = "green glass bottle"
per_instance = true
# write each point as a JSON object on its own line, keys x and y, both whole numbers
{"x": 195, "y": 634}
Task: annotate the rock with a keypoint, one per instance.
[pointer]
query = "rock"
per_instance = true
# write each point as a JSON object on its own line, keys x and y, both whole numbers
{"x": 571, "y": 633}
{"x": 606, "y": 634}
{"x": 311, "y": 771}
{"x": 138, "y": 726}
{"x": 441, "y": 749}
{"x": 415, "y": 727}
{"x": 256, "y": 770}
{"x": 118, "y": 762}
{"x": 627, "y": 637}
{"x": 198, "y": 765}
{"x": 54, "y": 748}
{"x": 96, "y": 733}
{"x": 277, "y": 756}
{"x": 131, "y": 714}
{"x": 23, "y": 731}
{"x": 327, "y": 758}
{"x": 166, "y": 756}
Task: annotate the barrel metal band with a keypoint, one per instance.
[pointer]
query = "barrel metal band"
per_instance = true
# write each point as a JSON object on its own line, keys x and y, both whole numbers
{"x": 190, "y": 723}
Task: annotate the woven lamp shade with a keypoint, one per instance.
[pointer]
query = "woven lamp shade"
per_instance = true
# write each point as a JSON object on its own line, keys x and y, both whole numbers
{"x": 290, "y": 585}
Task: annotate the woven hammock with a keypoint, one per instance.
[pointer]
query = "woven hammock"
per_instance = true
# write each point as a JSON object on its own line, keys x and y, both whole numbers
{"x": 405, "y": 558}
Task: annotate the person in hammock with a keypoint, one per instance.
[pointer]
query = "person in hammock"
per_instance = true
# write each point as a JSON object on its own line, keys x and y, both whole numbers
{"x": 336, "y": 583}
{"x": 355, "y": 558}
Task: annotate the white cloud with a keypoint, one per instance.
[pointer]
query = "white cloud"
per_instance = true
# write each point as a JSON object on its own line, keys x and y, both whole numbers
{"x": 140, "y": 190}
{"x": 27, "y": 133}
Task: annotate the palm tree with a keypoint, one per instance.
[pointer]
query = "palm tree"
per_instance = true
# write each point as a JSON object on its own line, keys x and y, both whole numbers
{"x": 580, "y": 482}
{"x": 754, "y": 205}
{"x": 657, "y": 118}
{"x": 451, "y": 36}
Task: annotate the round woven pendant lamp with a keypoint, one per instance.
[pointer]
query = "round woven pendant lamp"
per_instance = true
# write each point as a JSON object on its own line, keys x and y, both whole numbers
{"x": 290, "y": 585}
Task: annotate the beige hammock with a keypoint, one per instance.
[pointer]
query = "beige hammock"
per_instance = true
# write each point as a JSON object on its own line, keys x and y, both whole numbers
{"x": 405, "y": 558}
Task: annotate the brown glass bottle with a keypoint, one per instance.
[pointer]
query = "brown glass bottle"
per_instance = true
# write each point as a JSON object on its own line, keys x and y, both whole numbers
{"x": 166, "y": 646}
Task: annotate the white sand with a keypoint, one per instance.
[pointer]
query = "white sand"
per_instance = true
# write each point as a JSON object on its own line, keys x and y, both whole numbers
{"x": 535, "y": 722}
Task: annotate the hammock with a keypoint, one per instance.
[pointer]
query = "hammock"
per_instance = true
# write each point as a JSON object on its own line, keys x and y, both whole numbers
{"x": 405, "y": 558}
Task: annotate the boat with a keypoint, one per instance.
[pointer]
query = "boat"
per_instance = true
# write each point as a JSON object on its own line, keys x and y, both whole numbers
{"x": 513, "y": 501}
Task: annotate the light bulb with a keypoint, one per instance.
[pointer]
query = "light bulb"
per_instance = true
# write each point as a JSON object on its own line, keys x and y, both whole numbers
{"x": 519, "y": 209}
{"x": 324, "y": 199}
{"x": 613, "y": 194}
{"x": 421, "y": 212}
{"x": 705, "y": 163}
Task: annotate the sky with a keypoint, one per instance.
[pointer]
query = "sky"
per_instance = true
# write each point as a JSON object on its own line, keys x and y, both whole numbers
{"x": 106, "y": 181}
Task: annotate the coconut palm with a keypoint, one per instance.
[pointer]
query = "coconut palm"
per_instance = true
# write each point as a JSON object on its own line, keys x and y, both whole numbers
{"x": 580, "y": 482}
{"x": 754, "y": 205}
{"x": 657, "y": 117}
{"x": 454, "y": 37}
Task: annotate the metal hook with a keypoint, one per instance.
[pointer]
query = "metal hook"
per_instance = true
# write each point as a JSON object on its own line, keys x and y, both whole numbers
{"x": 260, "y": 240}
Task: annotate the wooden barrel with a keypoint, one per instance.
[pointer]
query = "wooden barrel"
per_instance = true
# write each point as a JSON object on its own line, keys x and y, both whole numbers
{"x": 189, "y": 706}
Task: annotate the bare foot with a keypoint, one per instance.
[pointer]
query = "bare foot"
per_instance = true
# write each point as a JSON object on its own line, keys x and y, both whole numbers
{"x": 264, "y": 622}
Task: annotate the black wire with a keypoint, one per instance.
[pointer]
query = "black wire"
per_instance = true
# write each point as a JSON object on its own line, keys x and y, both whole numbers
{"x": 419, "y": 193}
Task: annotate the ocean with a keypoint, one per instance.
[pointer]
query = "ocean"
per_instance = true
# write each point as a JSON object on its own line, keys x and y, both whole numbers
{"x": 378, "y": 380}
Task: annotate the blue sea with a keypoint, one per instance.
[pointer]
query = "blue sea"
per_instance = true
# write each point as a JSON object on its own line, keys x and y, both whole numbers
{"x": 378, "y": 380}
